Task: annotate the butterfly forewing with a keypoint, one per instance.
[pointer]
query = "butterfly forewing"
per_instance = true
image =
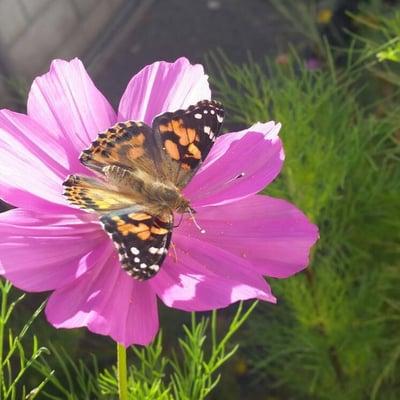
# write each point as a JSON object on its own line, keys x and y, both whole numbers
{"x": 128, "y": 145}
{"x": 187, "y": 137}
{"x": 142, "y": 239}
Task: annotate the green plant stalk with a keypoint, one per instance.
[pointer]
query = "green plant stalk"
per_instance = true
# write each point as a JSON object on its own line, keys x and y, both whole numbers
{"x": 122, "y": 372}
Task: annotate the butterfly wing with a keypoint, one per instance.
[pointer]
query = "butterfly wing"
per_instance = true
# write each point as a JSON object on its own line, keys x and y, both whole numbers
{"x": 129, "y": 145}
{"x": 94, "y": 195}
{"x": 142, "y": 239}
{"x": 187, "y": 137}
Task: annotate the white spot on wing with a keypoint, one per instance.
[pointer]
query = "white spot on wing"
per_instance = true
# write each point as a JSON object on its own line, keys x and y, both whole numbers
{"x": 153, "y": 250}
{"x": 198, "y": 116}
{"x": 135, "y": 251}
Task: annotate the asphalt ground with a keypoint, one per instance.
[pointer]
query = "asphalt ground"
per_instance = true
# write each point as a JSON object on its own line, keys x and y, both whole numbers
{"x": 167, "y": 29}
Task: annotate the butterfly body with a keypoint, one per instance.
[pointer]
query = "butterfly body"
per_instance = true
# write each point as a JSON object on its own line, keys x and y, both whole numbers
{"x": 157, "y": 196}
{"x": 141, "y": 172}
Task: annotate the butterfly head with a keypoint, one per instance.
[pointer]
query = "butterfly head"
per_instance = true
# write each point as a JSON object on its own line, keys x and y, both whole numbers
{"x": 183, "y": 205}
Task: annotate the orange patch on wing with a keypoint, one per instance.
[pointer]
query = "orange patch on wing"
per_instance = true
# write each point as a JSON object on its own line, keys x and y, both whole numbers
{"x": 159, "y": 231}
{"x": 172, "y": 149}
{"x": 194, "y": 150}
{"x": 135, "y": 152}
{"x": 139, "y": 216}
{"x": 144, "y": 235}
{"x": 138, "y": 140}
{"x": 180, "y": 131}
{"x": 126, "y": 229}
{"x": 186, "y": 135}
{"x": 141, "y": 230}
{"x": 135, "y": 149}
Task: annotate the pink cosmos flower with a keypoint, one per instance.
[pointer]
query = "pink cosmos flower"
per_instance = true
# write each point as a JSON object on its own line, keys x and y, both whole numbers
{"x": 46, "y": 244}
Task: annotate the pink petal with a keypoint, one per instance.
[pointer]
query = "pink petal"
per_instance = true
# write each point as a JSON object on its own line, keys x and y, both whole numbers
{"x": 44, "y": 252}
{"x": 271, "y": 234}
{"x": 240, "y": 164}
{"x": 33, "y": 164}
{"x": 108, "y": 302}
{"x": 205, "y": 277}
{"x": 66, "y": 101}
{"x": 162, "y": 87}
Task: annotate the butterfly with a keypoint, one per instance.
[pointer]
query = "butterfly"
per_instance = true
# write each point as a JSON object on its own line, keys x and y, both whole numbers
{"x": 141, "y": 171}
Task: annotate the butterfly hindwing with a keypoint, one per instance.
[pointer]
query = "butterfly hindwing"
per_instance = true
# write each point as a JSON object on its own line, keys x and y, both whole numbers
{"x": 93, "y": 195}
{"x": 142, "y": 239}
{"x": 128, "y": 145}
{"x": 187, "y": 137}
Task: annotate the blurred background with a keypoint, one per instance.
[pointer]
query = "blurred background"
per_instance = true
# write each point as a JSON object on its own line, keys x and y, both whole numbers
{"x": 116, "y": 38}
{"x": 329, "y": 70}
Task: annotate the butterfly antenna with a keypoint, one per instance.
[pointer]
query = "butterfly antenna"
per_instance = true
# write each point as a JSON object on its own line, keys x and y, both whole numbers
{"x": 195, "y": 222}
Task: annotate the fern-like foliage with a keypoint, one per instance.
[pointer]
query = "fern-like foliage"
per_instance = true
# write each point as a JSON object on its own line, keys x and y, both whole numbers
{"x": 335, "y": 334}
{"x": 17, "y": 356}
{"x": 191, "y": 372}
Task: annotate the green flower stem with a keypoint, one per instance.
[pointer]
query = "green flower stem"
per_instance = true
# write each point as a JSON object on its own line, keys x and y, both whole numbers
{"x": 122, "y": 372}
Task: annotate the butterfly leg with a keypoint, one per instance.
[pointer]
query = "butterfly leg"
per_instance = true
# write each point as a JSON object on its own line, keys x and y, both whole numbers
{"x": 173, "y": 247}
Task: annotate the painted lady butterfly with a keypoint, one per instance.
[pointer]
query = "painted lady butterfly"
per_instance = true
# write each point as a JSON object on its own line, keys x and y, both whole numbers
{"x": 142, "y": 171}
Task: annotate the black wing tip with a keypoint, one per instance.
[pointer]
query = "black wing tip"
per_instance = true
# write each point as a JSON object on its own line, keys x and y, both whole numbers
{"x": 208, "y": 103}
{"x": 212, "y": 105}
{"x": 218, "y": 106}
